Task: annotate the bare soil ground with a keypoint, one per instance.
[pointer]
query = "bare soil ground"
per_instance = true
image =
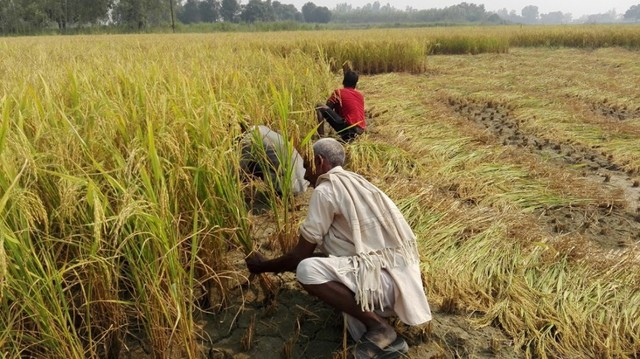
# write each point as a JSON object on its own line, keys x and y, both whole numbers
{"x": 295, "y": 325}
{"x": 610, "y": 225}
{"x": 622, "y": 113}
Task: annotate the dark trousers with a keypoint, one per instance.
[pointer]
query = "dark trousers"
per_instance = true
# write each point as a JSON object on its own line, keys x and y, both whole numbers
{"x": 346, "y": 131}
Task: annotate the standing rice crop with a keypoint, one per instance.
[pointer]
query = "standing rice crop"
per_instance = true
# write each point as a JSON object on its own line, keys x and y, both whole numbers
{"x": 120, "y": 185}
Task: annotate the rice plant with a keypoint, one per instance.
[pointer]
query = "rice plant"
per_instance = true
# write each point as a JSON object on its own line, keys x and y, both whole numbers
{"x": 121, "y": 189}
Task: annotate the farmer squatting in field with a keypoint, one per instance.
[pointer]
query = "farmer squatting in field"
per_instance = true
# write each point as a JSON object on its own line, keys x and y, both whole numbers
{"x": 372, "y": 270}
{"x": 344, "y": 110}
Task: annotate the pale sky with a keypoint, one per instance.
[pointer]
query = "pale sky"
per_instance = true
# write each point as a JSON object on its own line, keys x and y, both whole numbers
{"x": 576, "y": 7}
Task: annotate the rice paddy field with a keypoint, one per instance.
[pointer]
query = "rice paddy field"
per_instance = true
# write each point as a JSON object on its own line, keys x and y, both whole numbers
{"x": 124, "y": 217}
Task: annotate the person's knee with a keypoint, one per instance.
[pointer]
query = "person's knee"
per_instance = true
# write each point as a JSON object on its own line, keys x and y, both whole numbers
{"x": 306, "y": 271}
{"x": 310, "y": 276}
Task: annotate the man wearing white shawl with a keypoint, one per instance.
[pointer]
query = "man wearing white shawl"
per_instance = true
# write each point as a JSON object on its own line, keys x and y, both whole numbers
{"x": 372, "y": 270}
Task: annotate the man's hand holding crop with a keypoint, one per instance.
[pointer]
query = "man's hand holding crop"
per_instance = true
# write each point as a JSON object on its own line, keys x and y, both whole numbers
{"x": 254, "y": 262}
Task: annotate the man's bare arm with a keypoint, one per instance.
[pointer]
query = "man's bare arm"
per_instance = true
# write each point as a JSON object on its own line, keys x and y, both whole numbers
{"x": 257, "y": 263}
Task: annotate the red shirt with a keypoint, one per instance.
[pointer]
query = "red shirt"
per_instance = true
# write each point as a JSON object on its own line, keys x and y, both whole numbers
{"x": 349, "y": 104}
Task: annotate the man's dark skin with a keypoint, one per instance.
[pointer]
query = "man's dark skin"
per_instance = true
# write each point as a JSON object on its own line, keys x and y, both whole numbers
{"x": 335, "y": 294}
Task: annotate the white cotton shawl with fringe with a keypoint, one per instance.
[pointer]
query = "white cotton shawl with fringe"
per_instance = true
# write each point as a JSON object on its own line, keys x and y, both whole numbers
{"x": 381, "y": 239}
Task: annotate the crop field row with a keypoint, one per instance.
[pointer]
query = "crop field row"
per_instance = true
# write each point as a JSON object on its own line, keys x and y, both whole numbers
{"x": 525, "y": 196}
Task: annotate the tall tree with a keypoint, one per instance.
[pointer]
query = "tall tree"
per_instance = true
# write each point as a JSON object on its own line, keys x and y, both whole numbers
{"x": 173, "y": 15}
{"x": 230, "y": 10}
{"x": 94, "y": 10}
{"x": 633, "y": 13}
{"x": 189, "y": 12}
{"x": 141, "y": 13}
{"x": 285, "y": 12}
{"x": 13, "y": 19}
{"x": 307, "y": 11}
{"x": 71, "y": 12}
{"x": 608, "y": 17}
{"x": 313, "y": 13}
{"x": 343, "y": 8}
{"x": 555, "y": 17}
{"x": 257, "y": 10}
{"x": 209, "y": 10}
{"x": 322, "y": 14}
{"x": 530, "y": 14}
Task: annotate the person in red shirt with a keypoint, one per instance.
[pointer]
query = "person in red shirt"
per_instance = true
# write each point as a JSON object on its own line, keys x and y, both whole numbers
{"x": 344, "y": 110}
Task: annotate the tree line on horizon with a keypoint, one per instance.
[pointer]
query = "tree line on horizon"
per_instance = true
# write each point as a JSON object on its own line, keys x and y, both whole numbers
{"x": 531, "y": 15}
{"x": 32, "y": 16}
{"x": 28, "y": 16}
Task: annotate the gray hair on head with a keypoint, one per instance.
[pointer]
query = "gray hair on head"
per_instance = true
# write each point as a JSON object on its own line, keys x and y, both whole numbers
{"x": 331, "y": 150}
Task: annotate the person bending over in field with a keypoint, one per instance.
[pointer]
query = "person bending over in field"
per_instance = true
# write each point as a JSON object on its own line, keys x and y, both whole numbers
{"x": 264, "y": 153}
{"x": 372, "y": 270}
{"x": 344, "y": 110}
